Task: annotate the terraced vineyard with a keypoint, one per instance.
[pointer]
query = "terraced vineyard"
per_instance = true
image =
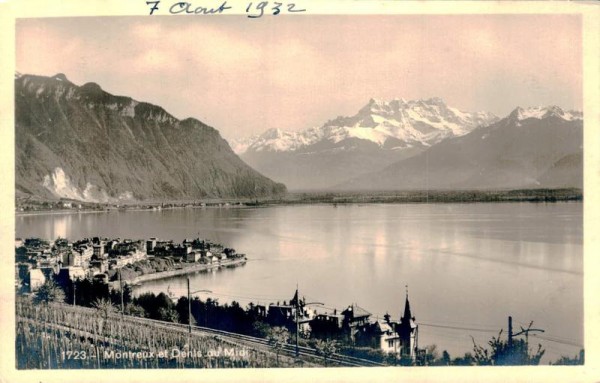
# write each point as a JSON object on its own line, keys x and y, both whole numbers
{"x": 59, "y": 336}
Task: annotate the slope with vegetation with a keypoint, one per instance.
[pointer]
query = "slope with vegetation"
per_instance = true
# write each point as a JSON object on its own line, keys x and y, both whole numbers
{"x": 82, "y": 143}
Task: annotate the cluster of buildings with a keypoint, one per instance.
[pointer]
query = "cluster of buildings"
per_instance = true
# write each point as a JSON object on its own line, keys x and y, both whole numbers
{"x": 37, "y": 259}
{"x": 354, "y": 325}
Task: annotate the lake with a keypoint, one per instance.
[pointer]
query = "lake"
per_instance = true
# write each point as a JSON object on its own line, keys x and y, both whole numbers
{"x": 467, "y": 266}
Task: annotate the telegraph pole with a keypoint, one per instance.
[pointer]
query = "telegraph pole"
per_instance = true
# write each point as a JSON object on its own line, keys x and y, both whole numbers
{"x": 527, "y": 331}
{"x": 74, "y": 292}
{"x": 523, "y": 331}
{"x": 121, "y": 290}
{"x": 510, "y": 333}
{"x": 189, "y": 294}
{"x": 189, "y": 306}
{"x": 297, "y": 321}
{"x": 297, "y": 331}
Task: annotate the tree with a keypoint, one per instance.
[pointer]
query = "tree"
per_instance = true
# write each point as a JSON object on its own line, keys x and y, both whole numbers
{"x": 135, "y": 310}
{"x": 86, "y": 291}
{"x": 278, "y": 338}
{"x": 326, "y": 348}
{"x": 181, "y": 307}
{"x": 168, "y": 314}
{"x": 427, "y": 357}
{"x": 260, "y": 329}
{"x": 152, "y": 304}
{"x": 567, "y": 361}
{"x": 49, "y": 292}
{"x": 503, "y": 354}
{"x": 445, "y": 358}
{"x": 466, "y": 360}
{"x": 390, "y": 358}
{"x": 105, "y": 307}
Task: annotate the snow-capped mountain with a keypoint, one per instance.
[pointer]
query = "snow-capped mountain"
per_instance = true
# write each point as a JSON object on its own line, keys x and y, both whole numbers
{"x": 541, "y": 112}
{"x": 381, "y": 133}
{"x": 277, "y": 140}
{"x": 389, "y": 124}
{"x": 539, "y": 147}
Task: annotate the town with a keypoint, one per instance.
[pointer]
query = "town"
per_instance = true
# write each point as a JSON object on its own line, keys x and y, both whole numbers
{"x": 95, "y": 268}
{"x": 107, "y": 260}
{"x": 101, "y": 272}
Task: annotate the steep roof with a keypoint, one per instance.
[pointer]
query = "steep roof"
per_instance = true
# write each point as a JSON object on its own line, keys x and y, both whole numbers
{"x": 294, "y": 300}
{"x": 383, "y": 327}
{"x": 407, "y": 313}
{"x": 356, "y": 311}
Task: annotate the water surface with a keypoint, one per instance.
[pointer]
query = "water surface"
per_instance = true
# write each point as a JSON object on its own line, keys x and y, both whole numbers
{"x": 467, "y": 266}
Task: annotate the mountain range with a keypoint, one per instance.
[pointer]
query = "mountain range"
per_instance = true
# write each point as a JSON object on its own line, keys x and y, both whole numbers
{"x": 381, "y": 133}
{"x": 539, "y": 147}
{"x": 82, "y": 143}
{"x": 425, "y": 144}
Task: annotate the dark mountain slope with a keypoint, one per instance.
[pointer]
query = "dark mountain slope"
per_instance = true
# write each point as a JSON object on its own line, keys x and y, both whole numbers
{"x": 83, "y": 143}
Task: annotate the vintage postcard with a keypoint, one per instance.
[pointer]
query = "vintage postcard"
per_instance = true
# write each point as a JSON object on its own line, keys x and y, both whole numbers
{"x": 353, "y": 190}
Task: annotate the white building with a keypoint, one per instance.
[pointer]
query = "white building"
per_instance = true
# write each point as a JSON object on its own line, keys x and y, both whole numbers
{"x": 36, "y": 279}
{"x": 75, "y": 272}
{"x": 193, "y": 256}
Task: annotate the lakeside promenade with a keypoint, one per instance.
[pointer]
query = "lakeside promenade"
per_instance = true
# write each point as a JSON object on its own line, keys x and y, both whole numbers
{"x": 182, "y": 271}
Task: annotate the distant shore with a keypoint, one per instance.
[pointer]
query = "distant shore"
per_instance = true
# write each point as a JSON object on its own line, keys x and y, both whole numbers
{"x": 315, "y": 197}
{"x": 442, "y": 196}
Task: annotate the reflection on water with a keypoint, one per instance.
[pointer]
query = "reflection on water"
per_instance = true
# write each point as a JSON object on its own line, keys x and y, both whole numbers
{"x": 469, "y": 265}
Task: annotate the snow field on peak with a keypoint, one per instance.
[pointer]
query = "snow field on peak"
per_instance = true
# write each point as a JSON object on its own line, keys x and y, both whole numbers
{"x": 421, "y": 122}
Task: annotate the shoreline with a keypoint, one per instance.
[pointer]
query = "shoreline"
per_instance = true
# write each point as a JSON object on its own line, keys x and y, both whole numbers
{"x": 350, "y": 198}
{"x": 177, "y": 272}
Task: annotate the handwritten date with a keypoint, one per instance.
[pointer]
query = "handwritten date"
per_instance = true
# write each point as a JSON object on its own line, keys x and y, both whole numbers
{"x": 253, "y": 10}
{"x": 275, "y": 8}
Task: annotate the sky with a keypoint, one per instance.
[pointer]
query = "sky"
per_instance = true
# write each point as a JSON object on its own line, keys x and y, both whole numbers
{"x": 244, "y": 76}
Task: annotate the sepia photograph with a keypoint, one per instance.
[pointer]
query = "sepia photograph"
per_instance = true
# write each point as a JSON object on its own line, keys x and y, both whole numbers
{"x": 262, "y": 185}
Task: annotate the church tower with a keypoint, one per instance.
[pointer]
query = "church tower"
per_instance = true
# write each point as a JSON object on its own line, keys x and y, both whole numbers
{"x": 408, "y": 330}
